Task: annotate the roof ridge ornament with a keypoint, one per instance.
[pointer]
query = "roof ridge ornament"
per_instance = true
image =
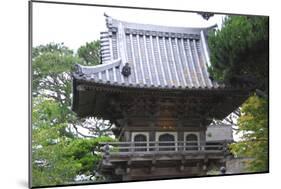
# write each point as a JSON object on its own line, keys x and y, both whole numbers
{"x": 106, "y": 15}
{"x": 206, "y": 15}
{"x": 78, "y": 69}
{"x": 126, "y": 70}
{"x": 108, "y": 20}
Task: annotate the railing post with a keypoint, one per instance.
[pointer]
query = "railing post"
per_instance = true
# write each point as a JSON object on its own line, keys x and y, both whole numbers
{"x": 202, "y": 146}
{"x": 106, "y": 153}
{"x": 132, "y": 146}
{"x": 179, "y": 146}
{"x": 157, "y": 146}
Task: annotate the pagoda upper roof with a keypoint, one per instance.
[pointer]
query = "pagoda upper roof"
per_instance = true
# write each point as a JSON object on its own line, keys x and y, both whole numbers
{"x": 155, "y": 57}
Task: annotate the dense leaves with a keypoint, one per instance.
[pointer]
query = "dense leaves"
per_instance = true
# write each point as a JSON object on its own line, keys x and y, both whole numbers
{"x": 49, "y": 166}
{"x": 86, "y": 152}
{"x": 59, "y": 151}
{"x": 240, "y": 51}
{"x": 51, "y": 66}
{"x": 253, "y": 128}
{"x": 239, "y": 56}
{"x": 90, "y": 53}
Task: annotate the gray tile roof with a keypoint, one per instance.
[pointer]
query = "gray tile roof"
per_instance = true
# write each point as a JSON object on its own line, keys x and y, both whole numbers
{"x": 159, "y": 57}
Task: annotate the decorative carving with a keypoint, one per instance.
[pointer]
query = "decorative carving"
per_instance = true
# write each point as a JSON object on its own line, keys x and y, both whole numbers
{"x": 126, "y": 70}
{"x": 206, "y": 15}
{"x": 78, "y": 69}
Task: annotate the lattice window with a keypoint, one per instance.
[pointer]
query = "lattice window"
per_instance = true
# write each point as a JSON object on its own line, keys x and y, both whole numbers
{"x": 191, "y": 142}
{"x": 170, "y": 139}
{"x": 140, "y": 140}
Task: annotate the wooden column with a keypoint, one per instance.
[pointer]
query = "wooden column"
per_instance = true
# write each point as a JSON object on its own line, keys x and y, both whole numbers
{"x": 202, "y": 135}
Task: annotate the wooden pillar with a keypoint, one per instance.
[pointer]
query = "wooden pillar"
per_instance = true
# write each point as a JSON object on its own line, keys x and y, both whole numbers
{"x": 202, "y": 136}
{"x": 151, "y": 124}
{"x": 127, "y": 136}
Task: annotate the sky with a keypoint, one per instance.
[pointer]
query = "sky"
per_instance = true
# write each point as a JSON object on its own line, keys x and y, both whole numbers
{"x": 76, "y": 25}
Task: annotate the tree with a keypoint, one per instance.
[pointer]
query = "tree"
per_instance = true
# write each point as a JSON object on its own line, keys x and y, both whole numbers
{"x": 253, "y": 127}
{"x": 52, "y": 65}
{"x": 240, "y": 55}
{"x": 90, "y": 53}
{"x": 240, "y": 52}
{"x": 56, "y": 158}
{"x": 59, "y": 151}
{"x": 49, "y": 165}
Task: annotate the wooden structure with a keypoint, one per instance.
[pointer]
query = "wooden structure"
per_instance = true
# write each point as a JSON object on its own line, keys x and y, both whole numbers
{"x": 153, "y": 84}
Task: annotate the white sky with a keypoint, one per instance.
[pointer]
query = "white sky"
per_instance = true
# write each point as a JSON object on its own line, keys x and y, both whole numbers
{"x": 76, "y": 25}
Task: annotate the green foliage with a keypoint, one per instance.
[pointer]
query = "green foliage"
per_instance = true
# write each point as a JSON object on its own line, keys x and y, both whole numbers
{"x": 51, "y": 47}
{"x": 253, "y": 125}
{"x": 240, "y": 54}
{"x": 240, "y": 49}
{"x": 51, "y": 66}
{"x": 49, "y": 165}
{"x": 57, "y": 158}
{"x": 47, "y": 111}
{"x": 58, "y": 154}
{"x": 90, "y": 53}
{"x": 82, "y": 151}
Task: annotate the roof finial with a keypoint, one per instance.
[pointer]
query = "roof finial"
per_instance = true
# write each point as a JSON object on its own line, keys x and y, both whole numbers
{"x": 108, "y": 20}
{"x": 206, "y": 15}
{"x": 126, "y": 70}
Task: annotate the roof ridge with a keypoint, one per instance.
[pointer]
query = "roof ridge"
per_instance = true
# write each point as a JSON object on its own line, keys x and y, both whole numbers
{"x": 113, "y": 23}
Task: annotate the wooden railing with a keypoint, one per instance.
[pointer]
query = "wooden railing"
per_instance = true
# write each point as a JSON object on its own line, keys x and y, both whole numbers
{"x": 153, "y": 147}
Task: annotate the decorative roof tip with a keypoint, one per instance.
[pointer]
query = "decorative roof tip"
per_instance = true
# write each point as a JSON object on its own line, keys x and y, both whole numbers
{"x": 206, "y": 15}
{"x": 106, "y": 15}
{"x": 78, "y": 69}
{"x": 126, "y": 70}
{"x": 108, "y": 20}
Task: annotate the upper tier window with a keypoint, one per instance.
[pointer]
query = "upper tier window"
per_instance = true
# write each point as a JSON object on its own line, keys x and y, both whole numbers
{"x": 170, "y": 139}
{"x": 140, "y": 141}
{"x": 191, "y": 142}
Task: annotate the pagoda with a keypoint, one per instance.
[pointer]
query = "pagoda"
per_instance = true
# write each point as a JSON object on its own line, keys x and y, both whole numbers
{"x": 153, "y": 85}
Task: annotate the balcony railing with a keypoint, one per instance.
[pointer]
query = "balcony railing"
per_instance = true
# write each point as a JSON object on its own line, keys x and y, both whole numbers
{"x": 152, "y": 147}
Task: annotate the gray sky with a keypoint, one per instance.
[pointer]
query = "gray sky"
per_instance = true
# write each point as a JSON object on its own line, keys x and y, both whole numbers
{"x": 76, "y": 25}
